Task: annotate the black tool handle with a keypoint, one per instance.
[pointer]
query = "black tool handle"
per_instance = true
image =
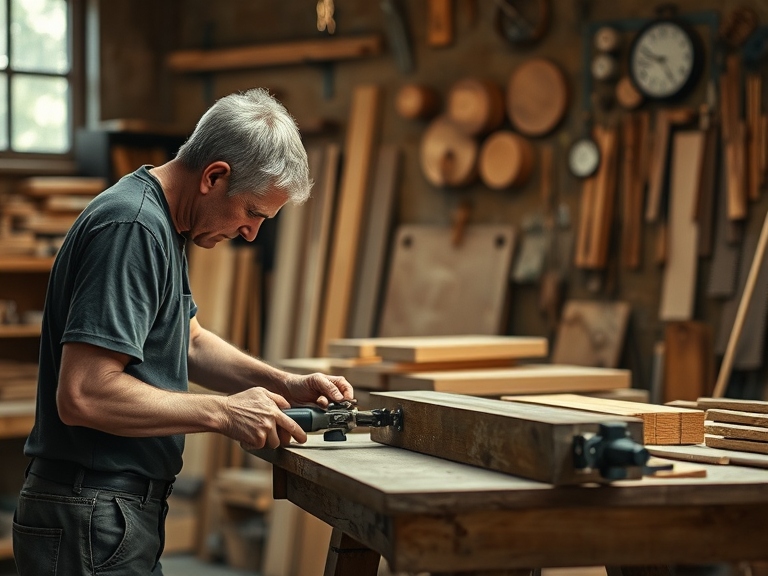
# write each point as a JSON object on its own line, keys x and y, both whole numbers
{"x": 310, "y": 419}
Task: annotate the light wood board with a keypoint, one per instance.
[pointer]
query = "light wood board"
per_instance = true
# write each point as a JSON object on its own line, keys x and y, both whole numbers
{"x": 733, "y": 404}
{"x": 530, "y": 441}
{"x": 460, "y": 348}
{"x": 661, "y": 424}
{"x": 362, "y": 134}
{"x": 437, "y": 288}
{"x": 736, "y": 444}
{"x": 591, "y": 333}
{"x": 678, "y": 290}
{"x": 689, "y": 370}
{"x": 737, "y": 417}
{"x": 736, "y": 431}
{"x": 525, "y": 379}
{"x": 709, "y": 455}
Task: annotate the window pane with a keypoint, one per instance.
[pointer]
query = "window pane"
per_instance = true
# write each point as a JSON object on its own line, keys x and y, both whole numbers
{"x": 39, "y": 35}
{"x": 40, "y": 111}
{"x": 3, "y": 112}
{"x": 3, "y": 35}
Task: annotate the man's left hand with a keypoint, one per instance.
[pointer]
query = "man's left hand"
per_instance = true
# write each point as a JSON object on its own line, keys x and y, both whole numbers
{"x": 317, "y": 388}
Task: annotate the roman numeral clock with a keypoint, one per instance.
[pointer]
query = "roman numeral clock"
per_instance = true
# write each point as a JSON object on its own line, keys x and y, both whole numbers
{"x": 665, "y": 59}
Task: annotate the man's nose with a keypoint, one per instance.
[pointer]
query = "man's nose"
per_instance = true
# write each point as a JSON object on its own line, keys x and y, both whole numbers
{"x": 249, "y": 232}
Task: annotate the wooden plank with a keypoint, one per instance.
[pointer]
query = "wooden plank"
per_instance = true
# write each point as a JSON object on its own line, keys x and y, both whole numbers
{"x": 362, "y": 134}
{"x": 591, "y": 333}
{"x": 634, "y": 135}
{"x": 438, "y": 288}
{"x": 756, "y": 406}
{"x": 376, "y": 376}
{"x": 440, "y": 23}
{"x": 282, "y": 320}
{"x": 42, "y": 186}
{"x": 661, "y": 424}
{"x": 737, "y": 417}
{"x": 689, "y": 363}
{"x": 696, "y": 453}
{"x": 242, "y": 287}
{"x": 736, "y": 444}
{"x": 373, "y": 255}
{"x": 316, "y": 252}
{"x": 530, "y": 441}
{"x": 678, "y": 291}
{"x": 526, "y": 379}
{"x": 705, "y": 205}
{"x": 353, "y": 347}
{"x": 211, "y": 278}
{"x": 736, "y": 431}
{"x": 727, "y": 253}
{"x": 753, "y": 104}
{"x": 347, "y": 557}
{"x": 253, "y": 339}
{"x": 300, "y": 52}
{"x": 460, "y": 348}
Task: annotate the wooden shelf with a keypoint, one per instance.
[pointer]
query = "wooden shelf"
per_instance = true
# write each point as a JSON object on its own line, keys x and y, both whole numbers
{"x": 6, "y": 548}
{"x": 299, "y": 52}
{"x": 20, "y": 331}
{"x": 25, "y": 264}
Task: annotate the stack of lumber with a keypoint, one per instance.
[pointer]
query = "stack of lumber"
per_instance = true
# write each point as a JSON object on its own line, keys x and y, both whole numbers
{"x": 477, "y": 365}
{"x": 35, "y": 218}
{"x": 18, "y": 380}
{"x": 662, "y": 425}
{"x": 740, "y": 425}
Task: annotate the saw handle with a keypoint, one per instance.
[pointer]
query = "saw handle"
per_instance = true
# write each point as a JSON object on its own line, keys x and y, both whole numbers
{"x": 309, "y": 419}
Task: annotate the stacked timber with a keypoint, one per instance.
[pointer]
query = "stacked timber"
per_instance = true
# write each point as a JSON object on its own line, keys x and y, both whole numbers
{"x": 736, "y": 424}
{"x": 18, "y": 380}
{"x": 38, "y": 215}
{"x": 477, "y": 365}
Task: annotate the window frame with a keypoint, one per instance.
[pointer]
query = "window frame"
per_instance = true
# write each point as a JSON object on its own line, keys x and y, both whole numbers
{"x": 75, "y": 77}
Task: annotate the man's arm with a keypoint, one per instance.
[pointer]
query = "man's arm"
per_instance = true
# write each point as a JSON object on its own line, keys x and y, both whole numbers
{"x": 94, "y": 391}
{"x": 217, "y": 365}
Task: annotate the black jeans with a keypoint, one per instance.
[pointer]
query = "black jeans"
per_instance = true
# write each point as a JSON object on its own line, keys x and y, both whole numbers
{"x": 98, "y": 531}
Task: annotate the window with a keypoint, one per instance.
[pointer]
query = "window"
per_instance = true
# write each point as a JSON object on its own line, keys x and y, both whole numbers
{"x": 36, "y": 76}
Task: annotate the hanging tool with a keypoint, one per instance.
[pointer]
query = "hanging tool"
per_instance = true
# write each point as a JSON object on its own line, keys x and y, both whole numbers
{"x": 397, "y": 32}
{"x": 341, "y": 417}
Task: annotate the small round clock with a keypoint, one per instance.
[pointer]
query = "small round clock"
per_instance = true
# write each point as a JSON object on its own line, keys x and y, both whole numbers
{"x": 583, "y": 157}
{"x": 665, "y": 59}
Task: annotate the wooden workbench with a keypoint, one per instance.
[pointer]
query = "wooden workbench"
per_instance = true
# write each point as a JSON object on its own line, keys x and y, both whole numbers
{"x": 428, "y": 514}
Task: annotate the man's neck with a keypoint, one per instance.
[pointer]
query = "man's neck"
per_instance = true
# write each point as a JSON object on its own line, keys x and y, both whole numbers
{"x": 177, "y": 182}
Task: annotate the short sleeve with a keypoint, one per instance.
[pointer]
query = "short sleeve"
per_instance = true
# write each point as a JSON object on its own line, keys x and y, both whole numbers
{"x": 120, "y": 284}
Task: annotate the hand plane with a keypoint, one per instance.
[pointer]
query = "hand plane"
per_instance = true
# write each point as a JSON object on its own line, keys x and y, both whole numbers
{"x": 341, "y": 417}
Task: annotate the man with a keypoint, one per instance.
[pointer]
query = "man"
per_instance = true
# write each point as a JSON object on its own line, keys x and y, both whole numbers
{"x": 120, "y": 341}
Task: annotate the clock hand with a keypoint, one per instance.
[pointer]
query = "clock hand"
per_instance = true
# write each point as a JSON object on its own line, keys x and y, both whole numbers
{"x": 652, "y": 56}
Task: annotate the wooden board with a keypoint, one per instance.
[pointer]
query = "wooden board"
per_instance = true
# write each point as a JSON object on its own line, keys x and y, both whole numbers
{"x": 733, "y": 404}
{"x": 528, "y": 379}
{"x": 678, "y": 290}
{"x": 376, "y": 376}
{"x": 689, "y": 361}
{"x": 302, "y": 52}
{"x": 710, "y": 455}
{"x": 726, "y": 254}
{"x": 459, "y": 348}
{"x": 736, "y": 444}
{"x": 362, "y": 133}
{"x": 534, "y": 442}
{"x": 736, "y": 431}
{"x": 437, "y": 288}
{"x": 42, "y": 186}
{"x": 316, "y": 252}
{"x": 737, "y": 417}
{"x": 661, "y": 424}
{"x": 353, "y": 347}
{"x": 440, "y": 23}
{"x": 591, "y": 333}
{"x": 378, "y": 232}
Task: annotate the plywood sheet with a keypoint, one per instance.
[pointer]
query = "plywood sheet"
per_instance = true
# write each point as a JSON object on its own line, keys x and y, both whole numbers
{"x": 527, "y": 379}
{"x": 591, "y": 333}
{"x": 438, "y": 288}
{"x": 661, "y": 424}
{"x": 737, "y": 417}
{"x": 530, "y": 441}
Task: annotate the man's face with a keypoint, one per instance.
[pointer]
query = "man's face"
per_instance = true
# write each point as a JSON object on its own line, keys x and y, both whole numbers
{"x": 220, "y": 217}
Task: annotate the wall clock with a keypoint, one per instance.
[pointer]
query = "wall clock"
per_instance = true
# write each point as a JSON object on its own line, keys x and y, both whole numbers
{"x": 665, "y": 59}
{"x": 583, "y": 157}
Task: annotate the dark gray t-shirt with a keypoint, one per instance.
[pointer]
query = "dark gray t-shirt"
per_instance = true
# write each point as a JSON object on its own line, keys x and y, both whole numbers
{"x": 119, "y": 282}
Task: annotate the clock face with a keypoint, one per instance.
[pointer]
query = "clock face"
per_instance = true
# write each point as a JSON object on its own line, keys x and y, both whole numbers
{"x": 583, "y": 158}
{"x": 663, "y": 60}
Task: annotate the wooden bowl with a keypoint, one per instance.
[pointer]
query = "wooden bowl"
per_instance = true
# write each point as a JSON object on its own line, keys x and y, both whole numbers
{"x": 476, "y": 106}
{"x": 416, "y": 101}
{"x": 537, "y": 97}
{"x": 448, "y": 155}
{"x": 506, "y": 160}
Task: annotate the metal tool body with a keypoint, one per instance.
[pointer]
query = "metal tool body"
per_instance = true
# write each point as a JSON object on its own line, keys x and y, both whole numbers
{"x": 342, "y": 417}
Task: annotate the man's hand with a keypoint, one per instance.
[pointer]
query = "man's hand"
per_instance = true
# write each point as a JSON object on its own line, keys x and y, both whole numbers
{"x": 256, "y": 419}
{"x": 317, "y": 389}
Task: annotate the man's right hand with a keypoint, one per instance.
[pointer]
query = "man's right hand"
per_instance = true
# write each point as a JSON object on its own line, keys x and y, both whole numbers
{"x": 256, "y": 419}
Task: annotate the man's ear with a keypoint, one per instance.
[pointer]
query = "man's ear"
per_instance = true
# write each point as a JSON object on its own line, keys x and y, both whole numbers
{"x": 213, "y": 173}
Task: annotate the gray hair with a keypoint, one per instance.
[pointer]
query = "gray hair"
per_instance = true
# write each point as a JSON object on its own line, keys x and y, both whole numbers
{"x": 260, "y": 141}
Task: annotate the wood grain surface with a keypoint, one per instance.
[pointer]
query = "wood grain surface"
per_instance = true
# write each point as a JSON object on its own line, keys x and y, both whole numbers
{"x": 448, "y": 156}
{"x": 537, "y": 97}
{"x": 737, "y": 417}
{"x": 742, "y": 445}
{"x": 506, "y": 160}
{"x": 475, "y": 105}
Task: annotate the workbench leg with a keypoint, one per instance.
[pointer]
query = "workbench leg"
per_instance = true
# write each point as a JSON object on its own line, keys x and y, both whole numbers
{"x": 658, "y": 570}
{"x": 347, "y": 557}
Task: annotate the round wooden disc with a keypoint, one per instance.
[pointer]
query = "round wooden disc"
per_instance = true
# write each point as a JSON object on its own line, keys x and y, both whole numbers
{"x": 627, "y": 95}
{"x": 537, "y": 97}
{"x": 417, "y": 101}
{"x": 506, "y": 159}
{"x": 475, "y": 106}
{"x": 448, "y": 155}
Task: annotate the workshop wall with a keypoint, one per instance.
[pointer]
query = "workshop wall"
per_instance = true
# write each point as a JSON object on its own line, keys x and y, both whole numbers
{"x": 313, "y": 93}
